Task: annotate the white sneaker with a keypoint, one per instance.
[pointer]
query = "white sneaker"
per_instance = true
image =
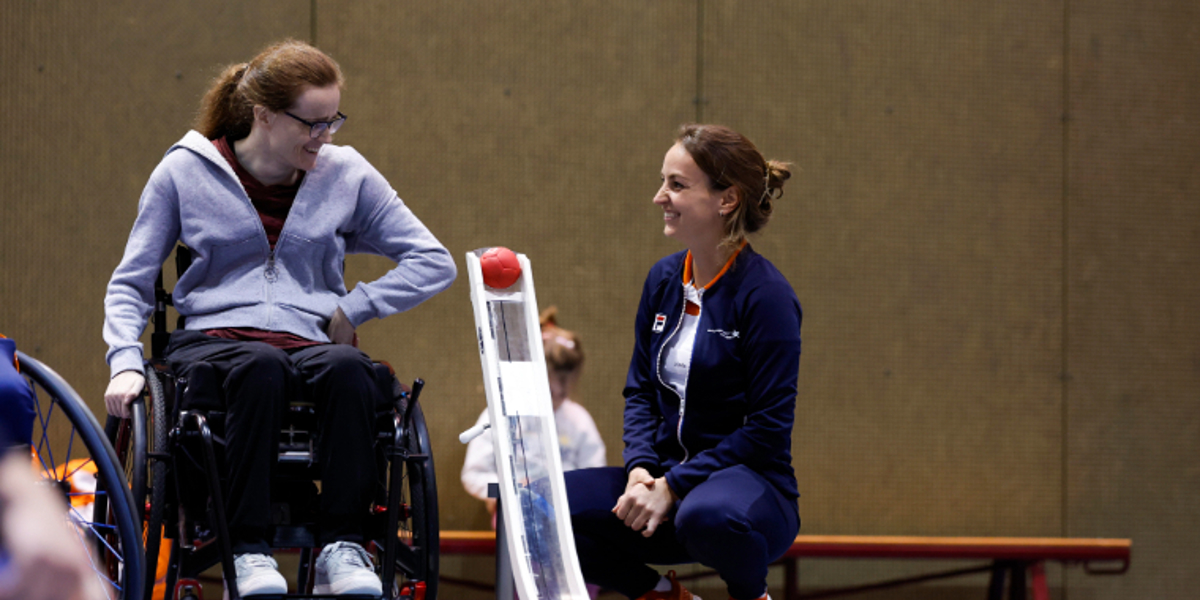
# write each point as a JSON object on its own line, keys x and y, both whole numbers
{"x": 258, "y": 574}
{"x": 345, "y": 568}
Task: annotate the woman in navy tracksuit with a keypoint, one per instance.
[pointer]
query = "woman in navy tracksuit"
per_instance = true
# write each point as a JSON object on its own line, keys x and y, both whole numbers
{"x": 710, "y": 395}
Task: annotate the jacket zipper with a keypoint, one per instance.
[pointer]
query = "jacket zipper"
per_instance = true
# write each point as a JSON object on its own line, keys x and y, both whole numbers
{"x": 270, "y": 275}
{"x": 658, "y": 373}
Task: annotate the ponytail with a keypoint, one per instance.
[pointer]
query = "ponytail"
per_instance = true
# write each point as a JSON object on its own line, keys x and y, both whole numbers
{"x": 224, "y": 111}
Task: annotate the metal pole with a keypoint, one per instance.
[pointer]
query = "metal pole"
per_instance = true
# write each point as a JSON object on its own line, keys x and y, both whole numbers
{"x": 505, "y": 590}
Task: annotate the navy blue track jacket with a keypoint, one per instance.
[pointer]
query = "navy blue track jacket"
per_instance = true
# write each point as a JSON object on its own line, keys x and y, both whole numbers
{"x": 741, "y": 389}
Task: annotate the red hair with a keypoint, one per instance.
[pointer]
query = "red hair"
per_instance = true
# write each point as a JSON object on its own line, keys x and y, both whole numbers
{"x": 273, "y": 79}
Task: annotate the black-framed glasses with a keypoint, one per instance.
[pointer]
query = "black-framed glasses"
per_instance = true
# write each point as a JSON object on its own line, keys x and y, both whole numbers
{"x": 316, "y": 128}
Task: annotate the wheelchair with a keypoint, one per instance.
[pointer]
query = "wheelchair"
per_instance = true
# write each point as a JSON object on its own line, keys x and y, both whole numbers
{"x": 172, "y": 450}
{"x": 70, "y": 453}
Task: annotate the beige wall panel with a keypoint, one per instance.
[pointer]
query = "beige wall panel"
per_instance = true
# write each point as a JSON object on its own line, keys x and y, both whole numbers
{"x": 96, "y": 93}
{"x": 1133, "y": 330}
{"x": 922, "y": 232}
{"x": 538, "y": 126}
{"x": 923, "y": 235}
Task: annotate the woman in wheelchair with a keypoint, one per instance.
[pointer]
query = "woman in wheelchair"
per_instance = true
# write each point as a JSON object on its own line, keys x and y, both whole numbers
{"x": 269, "y": 208}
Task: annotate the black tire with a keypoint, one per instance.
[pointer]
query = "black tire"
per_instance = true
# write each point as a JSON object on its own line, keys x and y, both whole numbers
{"x": 128, "y": 439}
{"x": 423, "y": 483}
{"x": 157, "y": 474}
{"x": 414, "y": 500}
{"x": 112, "y": 532}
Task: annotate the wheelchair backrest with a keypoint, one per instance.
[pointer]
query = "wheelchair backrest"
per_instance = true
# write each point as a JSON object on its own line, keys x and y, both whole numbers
{"x": 160, "y": 335}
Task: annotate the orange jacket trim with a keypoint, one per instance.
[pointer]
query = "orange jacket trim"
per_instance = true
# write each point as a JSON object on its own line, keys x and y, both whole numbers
{"x": 687, "y": 266}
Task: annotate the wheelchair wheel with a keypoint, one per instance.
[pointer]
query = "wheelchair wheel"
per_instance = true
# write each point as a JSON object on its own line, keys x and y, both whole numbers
{"x": 128, "y": 439}
{"x": 72, "y": 453}
{"x": 157, "y": 455}
{"x": 413, "y": 500}
{"x": 140, "y": 444}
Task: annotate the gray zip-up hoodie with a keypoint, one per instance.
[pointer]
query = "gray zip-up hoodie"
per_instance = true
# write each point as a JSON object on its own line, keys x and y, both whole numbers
{"x": 343, "y": 206}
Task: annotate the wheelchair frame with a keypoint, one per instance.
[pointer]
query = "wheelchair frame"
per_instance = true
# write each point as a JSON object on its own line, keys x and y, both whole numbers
{"x": 154, "y": 447}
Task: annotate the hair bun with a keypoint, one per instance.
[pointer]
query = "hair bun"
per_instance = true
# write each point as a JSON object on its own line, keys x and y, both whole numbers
{"x": 777, "y": 173}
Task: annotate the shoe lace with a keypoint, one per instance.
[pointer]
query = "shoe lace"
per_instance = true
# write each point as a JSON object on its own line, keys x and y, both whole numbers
{"x": 256, "y": 561}
{"x": 351, "y": 554}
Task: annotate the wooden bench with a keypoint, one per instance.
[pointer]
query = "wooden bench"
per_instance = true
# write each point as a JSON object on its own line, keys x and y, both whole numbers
{"x": 1011, "y": 559}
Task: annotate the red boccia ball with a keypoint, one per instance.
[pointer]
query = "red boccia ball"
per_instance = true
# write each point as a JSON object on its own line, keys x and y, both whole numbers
{"x": 500, "y": 267}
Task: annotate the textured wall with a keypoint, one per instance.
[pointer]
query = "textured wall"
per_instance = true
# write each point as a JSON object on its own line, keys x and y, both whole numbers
{"x": 1133, "y": 334}
{"x": 999, "y": 334}
{"x": 925, "y": 242}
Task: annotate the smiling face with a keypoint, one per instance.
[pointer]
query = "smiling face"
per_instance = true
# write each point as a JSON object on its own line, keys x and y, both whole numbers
{"x": 691, "y": 207}
{"x": 291, "y": 144}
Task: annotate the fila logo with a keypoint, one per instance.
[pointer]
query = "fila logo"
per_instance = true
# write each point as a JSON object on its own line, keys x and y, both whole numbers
{"x": 660, "y": 321}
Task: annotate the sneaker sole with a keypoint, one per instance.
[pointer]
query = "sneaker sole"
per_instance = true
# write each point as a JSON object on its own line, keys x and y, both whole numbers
{"x": 363, "y": 589}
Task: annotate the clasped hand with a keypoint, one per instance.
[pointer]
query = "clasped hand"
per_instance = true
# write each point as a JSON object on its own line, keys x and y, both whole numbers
{"x": 646, "y": 503}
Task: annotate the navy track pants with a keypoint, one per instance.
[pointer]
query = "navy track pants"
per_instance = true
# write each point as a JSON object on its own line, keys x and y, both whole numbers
{"x": 735, "y": 523}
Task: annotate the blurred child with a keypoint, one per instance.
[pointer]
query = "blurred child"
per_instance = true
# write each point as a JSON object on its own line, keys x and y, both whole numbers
{"x": 578, "y": 439}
